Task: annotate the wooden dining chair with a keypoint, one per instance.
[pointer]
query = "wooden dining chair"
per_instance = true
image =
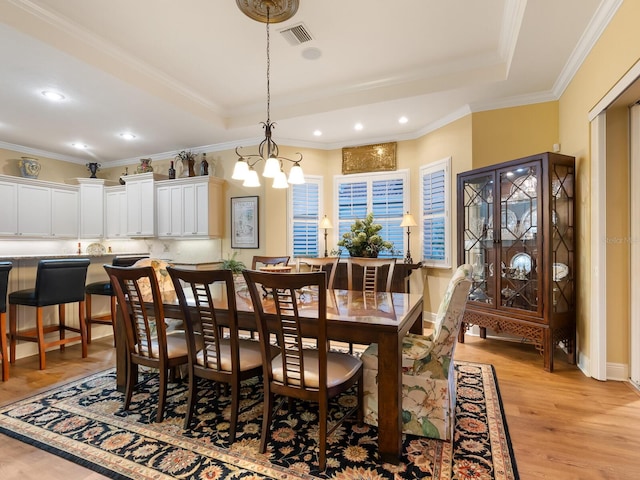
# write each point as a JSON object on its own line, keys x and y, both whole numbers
{"x": 212, "y": 355}
{"x": 319, "y": 264}
{"x": 261, "y": 261}
{"x": 309, "y": 374}
{"x": 373, "y": 271}
{"x": 148, "y": 342}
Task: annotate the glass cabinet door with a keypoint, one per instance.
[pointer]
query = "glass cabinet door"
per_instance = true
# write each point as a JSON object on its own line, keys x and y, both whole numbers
{"x": 562, "y": 228}
{"x": 519, "y": 231}
{"x": 478, "y": 249}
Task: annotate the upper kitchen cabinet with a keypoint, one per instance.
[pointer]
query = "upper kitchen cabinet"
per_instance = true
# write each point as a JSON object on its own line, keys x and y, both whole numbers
{"x": 141, "y": 204}
{"x": 191, "y": 207}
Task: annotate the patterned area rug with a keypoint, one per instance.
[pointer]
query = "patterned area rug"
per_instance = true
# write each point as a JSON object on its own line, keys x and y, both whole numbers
{"x": 84, "y": 422}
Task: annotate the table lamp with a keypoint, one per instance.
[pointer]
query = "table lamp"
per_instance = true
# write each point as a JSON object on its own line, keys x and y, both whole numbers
{"x": 408, "y": 221}
{"x": 326, "y": 224}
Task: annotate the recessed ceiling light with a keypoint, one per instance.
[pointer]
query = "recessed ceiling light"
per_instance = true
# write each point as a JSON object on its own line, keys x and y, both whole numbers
{"x": 317, "y": 133}
{"x": 51, "y": 95}
{"x": 127, "y": 136}
{"x": 403, "y": 120}
{"x": 358, "y": 126}
{"x": 79, "y": 146}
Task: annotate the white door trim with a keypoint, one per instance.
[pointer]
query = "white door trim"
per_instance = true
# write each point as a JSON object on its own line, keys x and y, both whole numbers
{"x": 598, "y": 312}
{"x": 634, "y": 214}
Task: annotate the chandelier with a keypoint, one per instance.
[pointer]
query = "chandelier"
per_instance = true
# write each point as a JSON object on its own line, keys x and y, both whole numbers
{"x": 267, "y": 11}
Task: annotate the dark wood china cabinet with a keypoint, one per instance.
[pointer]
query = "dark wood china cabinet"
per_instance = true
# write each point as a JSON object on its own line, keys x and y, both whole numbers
{"x": 516, "y": 227}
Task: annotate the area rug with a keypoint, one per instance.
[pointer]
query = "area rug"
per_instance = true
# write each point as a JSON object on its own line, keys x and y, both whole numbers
{"x": 84, "y": 422}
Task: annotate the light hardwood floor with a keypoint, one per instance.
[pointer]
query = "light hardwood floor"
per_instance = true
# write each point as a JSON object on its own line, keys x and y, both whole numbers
{"x": 563, "y": 425}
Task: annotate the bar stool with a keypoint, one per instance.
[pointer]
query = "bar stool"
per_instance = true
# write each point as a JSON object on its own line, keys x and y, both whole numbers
{"x": 105, "y": 288}
{"x": 4, "y": 282}
{"x": 58, "y": 282}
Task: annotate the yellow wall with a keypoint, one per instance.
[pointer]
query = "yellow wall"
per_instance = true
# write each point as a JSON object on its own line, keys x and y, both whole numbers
{"x": 509, "y": 133}
{"x": 616, "y": 51}
{"x": 51, "y": 170}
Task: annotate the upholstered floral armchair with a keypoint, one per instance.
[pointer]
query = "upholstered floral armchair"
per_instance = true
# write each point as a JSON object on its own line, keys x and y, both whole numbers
{"x": 428, "y": 377}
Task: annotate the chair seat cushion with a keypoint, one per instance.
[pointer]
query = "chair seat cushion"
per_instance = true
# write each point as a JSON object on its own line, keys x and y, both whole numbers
{"x": 176, "y": 345}
{"x": 340, "y": 367}
{"x": 24, "y": 297}
{"x": 250, "y": 356}
{"x": 100, "y": 288}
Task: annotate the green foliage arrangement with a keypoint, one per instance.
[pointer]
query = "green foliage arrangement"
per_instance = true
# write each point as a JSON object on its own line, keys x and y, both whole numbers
{"x": 363, "y": 240}
{"x": 236, "y": 266}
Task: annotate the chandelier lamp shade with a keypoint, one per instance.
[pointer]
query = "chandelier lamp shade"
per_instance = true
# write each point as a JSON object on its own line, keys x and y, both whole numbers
{"x": 268, "y": 11}
{"x": 408, "y": 221}
{"x": 325, "y": 224}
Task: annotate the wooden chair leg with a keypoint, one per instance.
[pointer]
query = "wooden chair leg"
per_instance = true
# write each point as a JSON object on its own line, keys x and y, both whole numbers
{"x": 40, "y": 336}
{"x": 3, "y": 347}
{"x": 12, "y": 332}
{"x": 191, "y": 399}
{"x": 62, "y": 322}
{"x": 235, "y": 406}
{"x": 82, "y": 326}
{"x": 322, "y": 434}
{"x": 113, "y": 318}
{"x": 87, "y": 315}
{"x": 266, "y": 421}
{"x": 162, "y": 393}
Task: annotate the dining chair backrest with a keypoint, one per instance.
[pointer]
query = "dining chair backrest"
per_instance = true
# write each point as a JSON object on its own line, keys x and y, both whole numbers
{"x": 5, "y": 267}
{"x": 283, "y": 290}
{"x": 319, "y": 264}
{"x": 259, "y": 260}
{"x": 373, "y": 269}
{"x": 60, "y": 281}
{"x": 203, "y": 323}
{"x": 145, "y": 330}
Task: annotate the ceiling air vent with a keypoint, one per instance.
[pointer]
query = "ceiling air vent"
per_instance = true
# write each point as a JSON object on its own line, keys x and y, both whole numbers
{"x": 296, "y": 35}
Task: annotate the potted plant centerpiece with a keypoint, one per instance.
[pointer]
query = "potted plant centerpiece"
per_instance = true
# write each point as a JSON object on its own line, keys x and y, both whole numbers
{"x": 236, "y": 266}
{"x": 364, "y": 240}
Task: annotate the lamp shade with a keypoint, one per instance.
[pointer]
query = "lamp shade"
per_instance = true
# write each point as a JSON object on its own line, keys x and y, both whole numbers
{"x": 240, "y": 170}
{"x": 271, "y": 167}
{"x": 296, "y": 175}
{"x": 251, "y": 180}
{"x": 408, "y": 221}
{"x": 280, "y": 180}
{"x": 325, "y": 223}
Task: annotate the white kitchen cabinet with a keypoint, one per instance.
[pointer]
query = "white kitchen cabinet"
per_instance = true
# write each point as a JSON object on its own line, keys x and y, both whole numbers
{"x": 9, "y": 202}
{"x": 115, "y": 212}
{"x": 198, "y": 213}
{"x": 170, "y": 210}
{"x": 92, "y": 198}
{"x": 64, "y": 212}
{"x": 141, "y": 205}
{"x": 34, "y": 210}
{"x": 38, "y": 209}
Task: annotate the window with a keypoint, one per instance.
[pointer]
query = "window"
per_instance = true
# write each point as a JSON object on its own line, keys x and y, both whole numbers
{"x": 385, "y": 194}
{"x": 305, "y": 207}
{"x": 435, "y": 183}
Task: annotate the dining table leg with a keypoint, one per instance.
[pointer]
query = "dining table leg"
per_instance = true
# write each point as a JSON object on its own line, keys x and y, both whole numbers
{"x": 389, "y": 398}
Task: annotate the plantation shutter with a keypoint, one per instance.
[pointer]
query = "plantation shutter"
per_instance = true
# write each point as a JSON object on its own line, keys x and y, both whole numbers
{"x": 435, "y": 184}
{"x": 305, "y": 205}
{"x": 385, "y": 195}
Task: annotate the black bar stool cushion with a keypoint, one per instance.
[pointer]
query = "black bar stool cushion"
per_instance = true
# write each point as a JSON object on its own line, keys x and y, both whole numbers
{"x": 57, "y": 282}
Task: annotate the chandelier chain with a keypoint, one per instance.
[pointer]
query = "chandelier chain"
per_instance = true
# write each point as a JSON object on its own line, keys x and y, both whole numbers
{"x": 268, "y": 71}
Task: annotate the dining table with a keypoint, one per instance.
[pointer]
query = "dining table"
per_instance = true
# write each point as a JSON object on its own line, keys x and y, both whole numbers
{"x": 352, "y": 317}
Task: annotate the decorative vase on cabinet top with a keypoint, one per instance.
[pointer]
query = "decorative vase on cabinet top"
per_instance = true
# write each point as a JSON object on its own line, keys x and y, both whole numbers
{"x": 145, "y": 166}
{"x": 29, "y": 167}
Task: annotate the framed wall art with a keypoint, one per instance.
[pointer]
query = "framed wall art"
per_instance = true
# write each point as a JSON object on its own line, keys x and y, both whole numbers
{"x": 380, "y": 157}
{"x": 244, "y": 222}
